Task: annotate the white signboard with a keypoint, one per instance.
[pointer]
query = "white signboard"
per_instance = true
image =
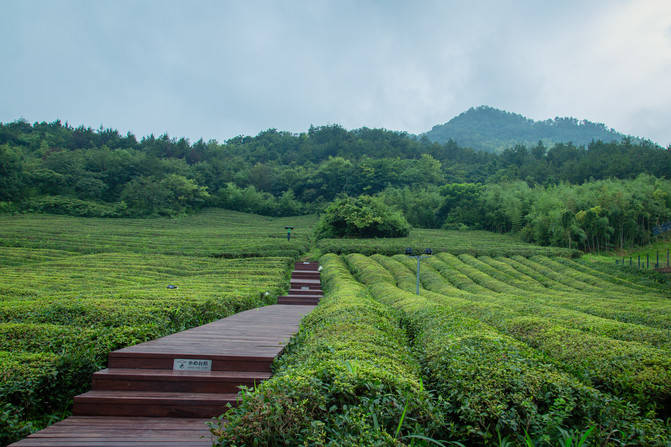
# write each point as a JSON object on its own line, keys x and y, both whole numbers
{"x": 192, "y": 365}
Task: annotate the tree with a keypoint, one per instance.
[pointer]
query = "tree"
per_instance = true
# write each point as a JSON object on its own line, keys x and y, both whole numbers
{"x": 362, "y": 217}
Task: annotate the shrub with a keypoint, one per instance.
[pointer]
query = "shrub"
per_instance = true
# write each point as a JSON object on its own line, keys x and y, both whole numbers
{"x": 494, "y": 384}
{"x": 361, "y": 217}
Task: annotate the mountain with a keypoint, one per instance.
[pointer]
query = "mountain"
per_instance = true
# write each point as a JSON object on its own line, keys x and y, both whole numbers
{"x": 492, "y": 130}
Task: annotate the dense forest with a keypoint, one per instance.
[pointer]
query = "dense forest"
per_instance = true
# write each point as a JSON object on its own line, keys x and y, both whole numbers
{"x": 602, "y": 195}
{"x": 493, "y": 130}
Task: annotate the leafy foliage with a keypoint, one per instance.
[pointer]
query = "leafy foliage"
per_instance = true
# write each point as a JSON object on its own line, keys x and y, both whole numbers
{"x": 361, "y": 217}
{"x": 280, "y": 173}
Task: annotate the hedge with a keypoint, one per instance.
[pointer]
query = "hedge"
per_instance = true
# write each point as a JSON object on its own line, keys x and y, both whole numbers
{"x": 495, "y": 384}
{"x": 346, "y": 378}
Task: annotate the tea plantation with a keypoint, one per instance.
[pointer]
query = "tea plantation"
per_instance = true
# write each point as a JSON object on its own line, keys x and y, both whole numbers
{"x": 507, "y": 343}
{"x": 496, "y": 350}
{"x": 73, "y": 289}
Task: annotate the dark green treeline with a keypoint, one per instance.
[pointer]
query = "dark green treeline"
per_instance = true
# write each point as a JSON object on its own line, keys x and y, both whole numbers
{"x": 53, "y": 167}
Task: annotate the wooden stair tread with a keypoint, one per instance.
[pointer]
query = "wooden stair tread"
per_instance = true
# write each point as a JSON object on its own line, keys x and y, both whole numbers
{"x": 257, "y": 333}
{"x": 169, "y": 374}
{"x": 112, "y": 431}
{"x": 154, "y": 397}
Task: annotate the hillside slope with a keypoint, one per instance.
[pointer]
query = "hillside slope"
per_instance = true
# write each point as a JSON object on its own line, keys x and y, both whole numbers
{"x": 488, "y": 129}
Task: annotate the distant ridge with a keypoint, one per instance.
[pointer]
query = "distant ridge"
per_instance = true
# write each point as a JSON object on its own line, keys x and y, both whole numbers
{"x": 492, "y": 130}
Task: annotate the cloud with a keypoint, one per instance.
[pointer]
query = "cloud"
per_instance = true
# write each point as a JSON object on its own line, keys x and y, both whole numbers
{"x": 218, "y": 69}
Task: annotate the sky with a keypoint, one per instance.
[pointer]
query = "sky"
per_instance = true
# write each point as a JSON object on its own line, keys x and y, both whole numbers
{"x": 218, "y": 69}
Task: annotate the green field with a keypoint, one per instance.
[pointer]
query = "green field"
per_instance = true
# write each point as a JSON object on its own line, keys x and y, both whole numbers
{"x": 74, "y": 289}
{"x": 507, "y": 340}
{"x": 215, "y": 233}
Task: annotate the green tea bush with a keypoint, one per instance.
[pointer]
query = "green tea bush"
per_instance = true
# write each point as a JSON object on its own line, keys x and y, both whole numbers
{"x": 496, "y": 309}
{"x": 622, "y": 367}
{"x": 361, "y": 217}
{"x": 347, "y": 378}
{"x": 497, "y": 386}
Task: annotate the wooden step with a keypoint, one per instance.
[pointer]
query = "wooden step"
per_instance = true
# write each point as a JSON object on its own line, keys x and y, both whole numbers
{"x": 301, "y": 300}
{"x": 291, "y": 295}
{"x": 297, "y": 274}
{"x": 80, "y": 431}
{"x": 306, "y": 266}
{"x": 175, "y": 381}
{"x": 158, "y": 360}
{"x": 151, "y": 403}
{"x": 307, "y": 291}
{"x": 309, "y": 283}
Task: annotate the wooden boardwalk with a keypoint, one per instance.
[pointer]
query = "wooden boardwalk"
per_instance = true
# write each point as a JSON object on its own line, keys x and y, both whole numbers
{"x": 163, "y": 392}
{"x": 305, "y": 286}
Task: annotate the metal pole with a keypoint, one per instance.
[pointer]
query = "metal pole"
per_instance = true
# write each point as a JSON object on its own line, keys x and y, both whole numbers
{"x": 647, "y": 260}
{"x": 418, "y": 258}
{"x": 657, "y": 265}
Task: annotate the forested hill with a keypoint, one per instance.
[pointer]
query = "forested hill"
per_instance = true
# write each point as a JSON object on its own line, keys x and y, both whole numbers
{"x": 493, "y": 130}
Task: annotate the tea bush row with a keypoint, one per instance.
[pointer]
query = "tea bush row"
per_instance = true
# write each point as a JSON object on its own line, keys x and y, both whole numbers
{"x": 435, "y": 275}
{"x": 625, "y": 368}
{"x": 651, "y": 309}
{"x": 347, "y": 378}
{"x": 133, "y": 276}
{"x": 495, "y": 384}
{"x": 451, "y": 241}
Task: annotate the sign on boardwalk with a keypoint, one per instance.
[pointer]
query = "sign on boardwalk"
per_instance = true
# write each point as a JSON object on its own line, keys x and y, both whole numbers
{"x": 192, "y": 365}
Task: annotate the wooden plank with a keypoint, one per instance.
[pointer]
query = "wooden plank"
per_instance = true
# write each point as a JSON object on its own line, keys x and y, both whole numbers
{"x": 89, "y": 431}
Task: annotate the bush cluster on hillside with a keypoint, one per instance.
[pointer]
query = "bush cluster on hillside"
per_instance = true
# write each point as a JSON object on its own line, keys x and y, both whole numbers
{"x": 362, "y": 217}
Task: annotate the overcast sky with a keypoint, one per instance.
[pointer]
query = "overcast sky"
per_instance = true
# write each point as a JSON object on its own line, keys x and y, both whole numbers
{"x": 217, "y": 69}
